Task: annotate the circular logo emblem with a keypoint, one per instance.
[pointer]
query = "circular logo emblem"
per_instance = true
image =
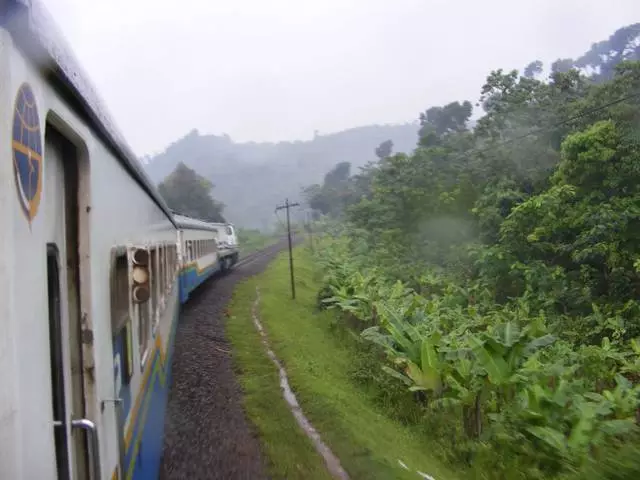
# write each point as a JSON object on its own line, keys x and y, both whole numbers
{"x": 27, "y": 151}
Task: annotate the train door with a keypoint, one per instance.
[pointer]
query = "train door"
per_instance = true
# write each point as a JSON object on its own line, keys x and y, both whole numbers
{"x": 74, "y": 436}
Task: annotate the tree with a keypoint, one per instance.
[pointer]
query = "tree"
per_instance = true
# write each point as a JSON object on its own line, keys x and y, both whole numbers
{"x": 384, "y": 149}
{"x": 338, "y": 175}
{"x": 533, "y": 69}
{"x": 188, "y": 193}
{"x": 437, "y": 122}
{"x": 601, "y": 59}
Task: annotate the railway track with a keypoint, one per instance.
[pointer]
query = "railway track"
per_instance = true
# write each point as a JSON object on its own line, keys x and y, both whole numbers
{"x": 206, "y": 433}
{"x": 253, "y": 256}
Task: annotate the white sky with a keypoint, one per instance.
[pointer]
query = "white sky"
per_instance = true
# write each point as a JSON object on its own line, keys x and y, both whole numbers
{"x": 279, "y": 69}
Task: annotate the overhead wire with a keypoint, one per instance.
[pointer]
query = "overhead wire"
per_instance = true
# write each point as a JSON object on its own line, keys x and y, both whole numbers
{"x": 548, "y": 127}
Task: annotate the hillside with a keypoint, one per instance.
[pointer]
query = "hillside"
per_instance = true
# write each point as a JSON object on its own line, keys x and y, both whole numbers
{"x": 251, "y": 178}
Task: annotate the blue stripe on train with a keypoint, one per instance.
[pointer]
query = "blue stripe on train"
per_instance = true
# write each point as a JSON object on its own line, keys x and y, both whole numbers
{"x": 144, "y": 453}
{"x": 190, "y": 278}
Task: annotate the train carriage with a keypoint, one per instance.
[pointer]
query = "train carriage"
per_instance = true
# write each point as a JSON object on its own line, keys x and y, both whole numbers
{"x": 199, "y": 250}
{"x": 91, "y": 257}
{"x": 206, "y": 248}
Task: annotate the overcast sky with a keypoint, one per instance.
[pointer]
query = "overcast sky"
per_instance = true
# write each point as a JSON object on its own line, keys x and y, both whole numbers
{"x": 280, "y": 69}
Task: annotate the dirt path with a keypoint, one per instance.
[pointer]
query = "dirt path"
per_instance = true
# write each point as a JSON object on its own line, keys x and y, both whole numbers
{"x": 207, "y": 435}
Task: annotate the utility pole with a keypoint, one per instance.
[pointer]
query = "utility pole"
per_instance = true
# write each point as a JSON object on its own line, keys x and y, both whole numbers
{"x": 287, "y": 206}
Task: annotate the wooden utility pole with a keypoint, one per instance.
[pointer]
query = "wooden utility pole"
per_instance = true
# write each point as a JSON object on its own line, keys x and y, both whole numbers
{"x": 287, "y": 206}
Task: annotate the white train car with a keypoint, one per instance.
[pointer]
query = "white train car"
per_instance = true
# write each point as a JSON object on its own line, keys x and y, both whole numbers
{"x": 198, "y": 247}
{"x": 88, "y": 273}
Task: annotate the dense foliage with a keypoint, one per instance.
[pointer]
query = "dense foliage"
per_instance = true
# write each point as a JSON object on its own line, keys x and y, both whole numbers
{"x": 498, "y": 269}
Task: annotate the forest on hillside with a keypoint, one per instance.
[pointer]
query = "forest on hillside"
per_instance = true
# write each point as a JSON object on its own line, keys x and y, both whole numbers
{"x": 494, "y": 272}
{"x": 251, "y": 178}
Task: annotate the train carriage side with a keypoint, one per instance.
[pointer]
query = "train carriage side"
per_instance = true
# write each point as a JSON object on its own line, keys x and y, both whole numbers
{"x": 199, "y": 251}
{"x": 88, "y": 277}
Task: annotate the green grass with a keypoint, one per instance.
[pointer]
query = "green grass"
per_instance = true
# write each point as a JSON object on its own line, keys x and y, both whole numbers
{"x": 318, "y": 362}
{"x": 253, "y": 240}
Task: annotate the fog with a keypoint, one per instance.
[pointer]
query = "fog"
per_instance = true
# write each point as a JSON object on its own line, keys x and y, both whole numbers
{"x": 282, "y": 69}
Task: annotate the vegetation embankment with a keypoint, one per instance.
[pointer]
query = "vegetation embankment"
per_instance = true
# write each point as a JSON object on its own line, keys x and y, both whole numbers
{"x": 496, "y": 271}
{"x": 325, "y": 365}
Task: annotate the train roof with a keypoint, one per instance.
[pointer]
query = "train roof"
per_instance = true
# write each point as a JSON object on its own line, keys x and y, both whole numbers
{"x": 184, "y": 221}
{"x": 37, "y": 35}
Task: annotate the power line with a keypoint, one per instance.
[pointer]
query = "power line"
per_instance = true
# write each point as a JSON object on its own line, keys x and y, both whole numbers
{"x": 557, "y": 124}
{"x": 538, "y": 130}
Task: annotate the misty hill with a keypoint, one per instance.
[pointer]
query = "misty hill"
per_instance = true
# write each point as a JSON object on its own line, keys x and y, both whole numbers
{"x": 251, "y": 178}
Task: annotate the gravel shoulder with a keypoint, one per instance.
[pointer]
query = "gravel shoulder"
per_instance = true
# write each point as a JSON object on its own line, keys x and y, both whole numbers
{"x": 207, "y": 435}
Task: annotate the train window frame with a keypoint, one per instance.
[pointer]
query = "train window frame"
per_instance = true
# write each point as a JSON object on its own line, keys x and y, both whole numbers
{"x": 165, "y": 270}
{"x": 189, "y": 251}
{"x": 162, "y": 272}
{"x": 144, "y": 313}
{"x": 124, "y": 325}
{"x": 155, "y": 289}
{"x": 170, "y": 267}
{"x": 119, "y": 258}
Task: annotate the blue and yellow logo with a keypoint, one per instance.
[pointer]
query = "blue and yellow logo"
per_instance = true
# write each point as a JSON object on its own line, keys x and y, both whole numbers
{"x": 27, "y": 151}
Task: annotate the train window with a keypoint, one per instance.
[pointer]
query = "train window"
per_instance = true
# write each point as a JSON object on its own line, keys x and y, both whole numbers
{"x": 170, "y": 266}
{"x": 167, "y": 268}
{"x": 119, "y": 294}
{"x": 175, "y": 262}
{"x": 154, "y": 303}
{"x": 189, "y": 251}
{"x": 162, "y": 270}
{"x": 120, "y": 325}
{"x": 144, "y": 330}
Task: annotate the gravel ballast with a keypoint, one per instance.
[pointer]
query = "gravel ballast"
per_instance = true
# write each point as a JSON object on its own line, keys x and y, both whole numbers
{"x": 207, "y": 435}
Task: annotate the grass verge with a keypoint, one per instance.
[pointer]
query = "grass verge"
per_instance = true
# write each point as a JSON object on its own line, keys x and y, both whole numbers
{"x": 253, "y": 240}
{"x": 368, "y": 443}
